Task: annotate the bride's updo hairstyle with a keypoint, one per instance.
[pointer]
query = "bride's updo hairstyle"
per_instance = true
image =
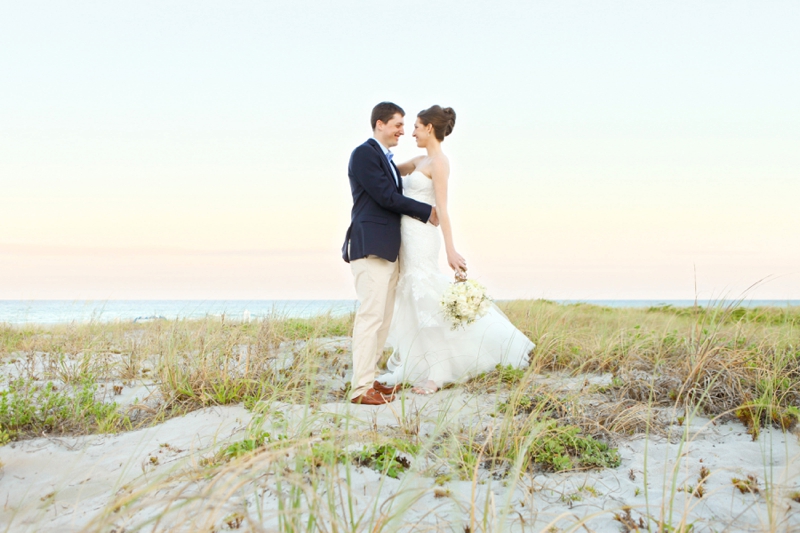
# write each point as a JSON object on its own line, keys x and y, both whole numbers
{"x": 442, "y": 120}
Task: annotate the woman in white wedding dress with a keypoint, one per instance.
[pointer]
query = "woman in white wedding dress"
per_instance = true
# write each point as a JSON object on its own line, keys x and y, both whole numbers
{"x": 427, "y": 352}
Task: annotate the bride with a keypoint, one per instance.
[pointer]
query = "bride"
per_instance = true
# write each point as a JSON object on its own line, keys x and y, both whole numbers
{"x": 427, "y": 352}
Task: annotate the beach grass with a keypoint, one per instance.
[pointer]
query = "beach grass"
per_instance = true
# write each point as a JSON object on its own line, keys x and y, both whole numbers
{"x": 597, "y": 377}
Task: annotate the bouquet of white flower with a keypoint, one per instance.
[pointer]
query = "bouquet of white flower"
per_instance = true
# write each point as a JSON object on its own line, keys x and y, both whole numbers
{"x": 465, "y": 301}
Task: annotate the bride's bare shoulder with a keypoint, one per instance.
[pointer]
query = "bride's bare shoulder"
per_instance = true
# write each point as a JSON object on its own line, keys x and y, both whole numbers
{"x": 416, "y": 161}
{"x": 436, "y": 166}
{"x": 440, "y": 165}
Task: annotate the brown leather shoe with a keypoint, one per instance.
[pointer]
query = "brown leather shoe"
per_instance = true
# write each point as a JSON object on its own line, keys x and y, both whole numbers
{"x": 384, "y": 389}
{"x": 373, "y": 397}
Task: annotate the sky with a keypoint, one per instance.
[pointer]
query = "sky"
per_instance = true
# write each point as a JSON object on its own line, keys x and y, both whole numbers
{"x": 198, "y": 150}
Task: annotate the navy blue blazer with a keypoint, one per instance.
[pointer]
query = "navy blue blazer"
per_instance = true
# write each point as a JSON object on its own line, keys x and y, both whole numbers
{"x": 378, "y": 203}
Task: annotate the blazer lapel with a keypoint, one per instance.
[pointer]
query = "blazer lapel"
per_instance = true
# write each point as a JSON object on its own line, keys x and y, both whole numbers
{"x": 399, "y": 177}
{"x": 385, "y": 164}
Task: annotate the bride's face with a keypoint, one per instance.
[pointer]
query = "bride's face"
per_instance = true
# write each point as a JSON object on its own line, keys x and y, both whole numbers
{"x": 422, "y": 133}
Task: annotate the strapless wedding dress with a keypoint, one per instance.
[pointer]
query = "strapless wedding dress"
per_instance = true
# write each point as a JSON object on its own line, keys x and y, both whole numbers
{"x": 424, "y": 345}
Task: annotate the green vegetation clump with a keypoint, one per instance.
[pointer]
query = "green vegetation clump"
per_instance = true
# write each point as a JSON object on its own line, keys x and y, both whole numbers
{"x": 732, "y": 314}
{"x": 325, "y": 453}
{"x": 247, "y": 445}
{"x": 303, "y": 328}
{"x": 542, "y": 406}
{"x": 29, "y": 408}
{"x": 387, "y": 458}
{"x": 560, "y": 448}
{"x": 761, "y": 413}
{"x": 748, "y": 485}
{"x": 501, "y": 375}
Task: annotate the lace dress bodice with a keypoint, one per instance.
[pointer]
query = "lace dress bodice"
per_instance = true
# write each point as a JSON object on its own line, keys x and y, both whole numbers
{"x": 420, "y": 242}
{"x": 419, "y": 187}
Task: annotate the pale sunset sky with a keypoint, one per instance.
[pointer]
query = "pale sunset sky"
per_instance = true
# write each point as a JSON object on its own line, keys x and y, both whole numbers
{"x": 198, "y": 150}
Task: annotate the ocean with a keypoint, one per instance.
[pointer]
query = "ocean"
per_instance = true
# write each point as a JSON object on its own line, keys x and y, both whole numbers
{"x": 20, "y": 312}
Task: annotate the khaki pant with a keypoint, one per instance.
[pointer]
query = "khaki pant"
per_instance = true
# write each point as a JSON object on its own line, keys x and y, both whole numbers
{"x": 376, "y": 284}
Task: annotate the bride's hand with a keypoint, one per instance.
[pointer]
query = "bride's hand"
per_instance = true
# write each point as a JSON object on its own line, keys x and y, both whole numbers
{"x": 456, "y": 262}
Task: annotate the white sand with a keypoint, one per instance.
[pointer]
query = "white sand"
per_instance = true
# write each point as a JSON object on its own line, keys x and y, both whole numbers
{"x": 60, "y": 484}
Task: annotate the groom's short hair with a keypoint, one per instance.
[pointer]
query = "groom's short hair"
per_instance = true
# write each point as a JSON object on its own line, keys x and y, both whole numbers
{"x": 384, "y": 112}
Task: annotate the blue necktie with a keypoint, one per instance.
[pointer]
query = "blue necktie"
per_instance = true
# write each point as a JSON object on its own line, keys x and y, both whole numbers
{"x": 389, "y": 156}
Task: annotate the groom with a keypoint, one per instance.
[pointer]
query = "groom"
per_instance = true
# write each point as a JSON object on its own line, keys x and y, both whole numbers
{"x": 372, "y": 246}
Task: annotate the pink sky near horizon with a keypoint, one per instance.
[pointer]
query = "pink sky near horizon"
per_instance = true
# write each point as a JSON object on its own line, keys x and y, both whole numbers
{"x": 83, "y": 273}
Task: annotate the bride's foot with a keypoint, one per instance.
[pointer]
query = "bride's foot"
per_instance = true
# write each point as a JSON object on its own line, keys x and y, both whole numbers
{"x": 429, "y": 387}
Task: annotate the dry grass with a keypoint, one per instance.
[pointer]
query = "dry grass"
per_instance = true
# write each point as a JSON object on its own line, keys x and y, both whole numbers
{"x": 726, "y": 362}
{"x": 657, "y": 365}
{"x": 192, "y": 364}
{"x": 718, "y": 359}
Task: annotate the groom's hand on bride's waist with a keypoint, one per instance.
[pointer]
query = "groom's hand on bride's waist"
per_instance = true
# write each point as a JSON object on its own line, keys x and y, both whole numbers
{"x": 434, "y": 218}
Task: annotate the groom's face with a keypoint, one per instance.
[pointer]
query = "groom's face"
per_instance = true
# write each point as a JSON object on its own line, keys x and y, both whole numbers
{"x": 390, "y": 132}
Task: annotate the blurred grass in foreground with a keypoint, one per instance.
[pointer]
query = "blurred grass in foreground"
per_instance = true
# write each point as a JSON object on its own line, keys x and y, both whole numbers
{"x": 666, "y": 365}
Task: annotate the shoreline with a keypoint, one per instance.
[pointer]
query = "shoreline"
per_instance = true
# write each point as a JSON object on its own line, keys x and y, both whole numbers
{"x": 46, "y": 313}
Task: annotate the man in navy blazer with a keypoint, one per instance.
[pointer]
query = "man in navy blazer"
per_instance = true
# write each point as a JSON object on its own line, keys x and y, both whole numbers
{"x": 372, "y": 246}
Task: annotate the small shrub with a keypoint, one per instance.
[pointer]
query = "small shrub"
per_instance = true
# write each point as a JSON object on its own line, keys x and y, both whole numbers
{"x": 758, "y": 414}
{"x": 245, "y": 446}
{"x": 386, "y": 458}
{"x": 627, "y": 521}
{"x": 30, "y": 408}
{"x": 564, "y": 448}
{"x": 544, "y": 406}
{"x": 325, "y": 453}
{"x": 749, "y": 485}
{"x": 234, "y": 521}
